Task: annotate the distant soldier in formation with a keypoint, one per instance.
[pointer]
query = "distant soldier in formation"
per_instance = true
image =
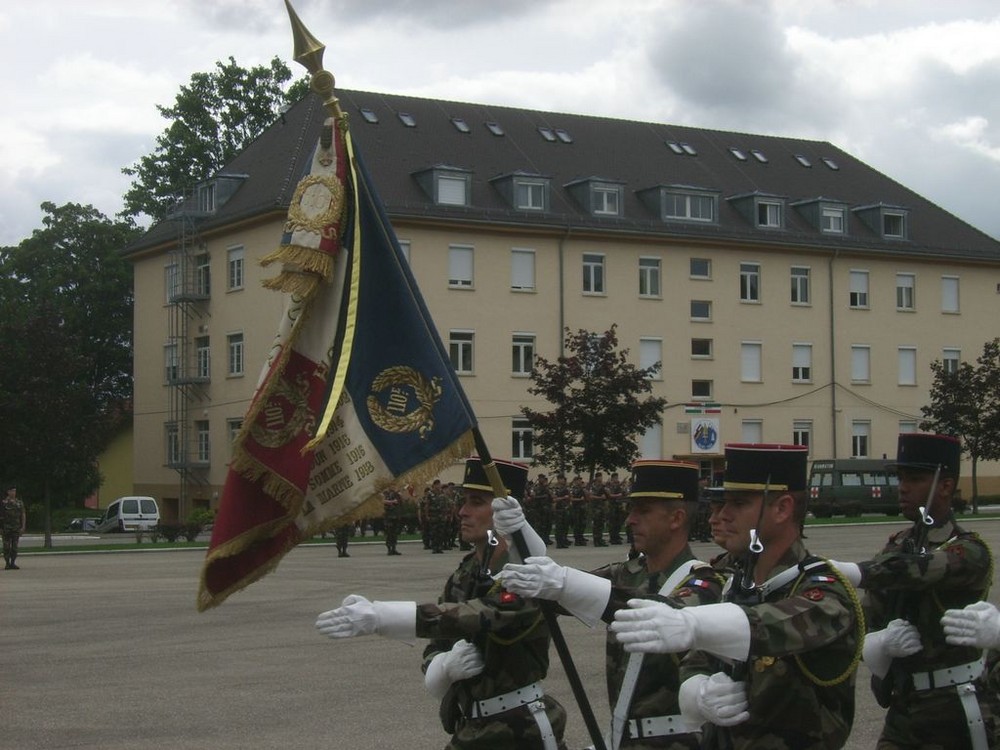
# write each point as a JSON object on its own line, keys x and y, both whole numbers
{"x": 597, "y": 500}
{"x": 560, "y": 511}
{"x": 423, "y": 517}
{"x": 342, "y": 534}
{"x": 541, "y": 505}
{"x": 439, "y": 512}
{"x": 578, "y": 510}
{"x": 14, "y": 522}
{"x": 616, "y": 508}
{"x": 393, "y": 505}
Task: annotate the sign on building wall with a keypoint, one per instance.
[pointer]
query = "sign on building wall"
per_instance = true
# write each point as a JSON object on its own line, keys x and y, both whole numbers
{"x": 705, "y": 435}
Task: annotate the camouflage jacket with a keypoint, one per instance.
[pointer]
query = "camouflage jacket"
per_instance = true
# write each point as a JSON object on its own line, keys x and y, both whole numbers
{"x": 513, "y": 639}
{"x": 12, "y": 513}
{"x": 659, "y": 679}
{"x": 805, "y": 642}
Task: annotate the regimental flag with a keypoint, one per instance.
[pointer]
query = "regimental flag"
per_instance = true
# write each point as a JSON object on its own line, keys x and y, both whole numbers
{"x": 703, "y": 407}
{"x": 357, "y": 394}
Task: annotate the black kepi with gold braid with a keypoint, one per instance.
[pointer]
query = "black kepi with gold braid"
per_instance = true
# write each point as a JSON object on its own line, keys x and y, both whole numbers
{"x": 759, "y": 466}
{"x": 924, "y": 451}
{"x": 514, "y": 476}
{"x": 664, "y": 480}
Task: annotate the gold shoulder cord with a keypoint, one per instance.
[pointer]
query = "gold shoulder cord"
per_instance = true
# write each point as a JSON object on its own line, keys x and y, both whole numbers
{"x": 859, "y": 631}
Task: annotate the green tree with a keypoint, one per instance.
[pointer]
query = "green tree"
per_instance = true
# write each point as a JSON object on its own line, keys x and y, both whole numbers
{"x": 65, "y": 334}
{"x": 214, "y": 117}
{"x": 965, "y": 402}
{"x": 598, "y": 406}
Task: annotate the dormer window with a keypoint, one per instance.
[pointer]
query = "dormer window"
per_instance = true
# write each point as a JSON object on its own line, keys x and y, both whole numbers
{"x": 889, "y": 222}
{"x": 599, "y": 197}
{"x": 764, "y": 211}
{"x": 769, "y": 214}
{"x": 894, "y": 225}
{"x": 682, "y": 203}
{"x": 524, "y": 191}
{"x": 446, "y": 185}
{"x": 206, "y": 198}
{"x": 831, "y": 219}
{"x": 824, "y": 215}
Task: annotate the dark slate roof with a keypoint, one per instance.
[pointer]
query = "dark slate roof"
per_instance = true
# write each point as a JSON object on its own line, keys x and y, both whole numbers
{"x": 635, "y": 154}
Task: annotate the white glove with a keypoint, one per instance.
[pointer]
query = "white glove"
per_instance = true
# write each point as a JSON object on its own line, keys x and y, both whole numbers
{"x": 899, "y": 638}
{"x": 716, "y": 699}
{"x": 584, "y": 595}
{"x": 508, "y": 517}
{"x": 651, "y": 627}
{"x": 850, "y": 571}
{"x": 977, "y": 625}
{"x": 462, "y": 662}
{"x": 357, "y": 616}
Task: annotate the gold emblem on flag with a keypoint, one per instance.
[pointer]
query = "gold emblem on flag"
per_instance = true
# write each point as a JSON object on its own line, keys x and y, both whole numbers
{"x": 285, "y": 415}
{"x": 317, "y": 205}
{"x": 408, "y": 398}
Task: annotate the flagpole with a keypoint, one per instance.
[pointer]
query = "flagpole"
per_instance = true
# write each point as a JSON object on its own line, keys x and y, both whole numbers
{"x": 308, "y": 52}
{"x": 547, "y": 607}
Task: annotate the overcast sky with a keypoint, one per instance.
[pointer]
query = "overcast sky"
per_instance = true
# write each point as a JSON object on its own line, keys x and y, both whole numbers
{"x": 911, "y": 87}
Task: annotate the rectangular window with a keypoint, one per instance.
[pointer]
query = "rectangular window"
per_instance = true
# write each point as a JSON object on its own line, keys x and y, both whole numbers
{"x": 701, "y": 389}
{"x": 802, "y": 432}
{"x": 907, "y": 365}
{"x": 688, "y": 207}
{"x": 950, "y": 359}
{"x": 233, "y": 427}
{"x": 768, "y": 214}
{"x": 701, "y": 348}
{"x": 860, "y": 438}
{"x": 949, "y": 294}
{"x": 522, "y": 269}
{"x": 204, "y": 443}
{"x": 894, "y": 225}
{"x": 460, "y": 351}
{"x": 593, "y": 273}
{"x": 832, "y": 220}
{"x": 203, "y": 275}
{"x": 452, "y": 191}
{"x": 404, "y": 246}
{"x": 649, "y": 277}
{"x": 861, "y": 369}
{"x": 651, "y": 442}
{"x": 171, "y": 282}
{"x": 800, "y": 285}
{"x": 460, "y": 266}
{"x": 172, "y": 440}
{"x": 651, "y": 355}
{"x": 521, "y": 438}
{"x": 171, "y": 363}
{"x": 750, "y": 362}
{"x": 606, "y": 200}
{"x": 234, "y": 267}
{"x": 701, "y": 309}
{"x": 907, "y": 426}
{"x": 752, "y": 431}
{"x": 905, "y": 283}
{"x": 859, "y": 289}
{"x": 203, "y": 358}
{"x": 523, "y": 353}
{"x": 529, "y": 195}
{"x": 701, "y": 268}
{"x": 206, "y": 198}
{"x": 749, "y": 282}
{"x": 802, "y": 363}
{"x": 234, "y": 344}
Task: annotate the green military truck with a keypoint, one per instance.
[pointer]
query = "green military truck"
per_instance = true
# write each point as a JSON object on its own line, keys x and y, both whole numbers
{"x": 852, "y": 486}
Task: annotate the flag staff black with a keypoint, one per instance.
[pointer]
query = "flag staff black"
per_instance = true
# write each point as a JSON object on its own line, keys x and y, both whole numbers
{"x": 308, "y": 52}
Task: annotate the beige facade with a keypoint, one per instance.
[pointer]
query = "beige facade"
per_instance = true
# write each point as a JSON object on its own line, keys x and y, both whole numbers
{"x": 845, "y": 407}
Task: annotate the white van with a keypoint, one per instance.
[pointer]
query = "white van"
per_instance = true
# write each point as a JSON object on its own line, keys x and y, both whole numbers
{"x": 130, "y": 513}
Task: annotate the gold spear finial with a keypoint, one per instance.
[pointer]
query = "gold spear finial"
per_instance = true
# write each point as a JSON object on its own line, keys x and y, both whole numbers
{"x": 308, "y": 52}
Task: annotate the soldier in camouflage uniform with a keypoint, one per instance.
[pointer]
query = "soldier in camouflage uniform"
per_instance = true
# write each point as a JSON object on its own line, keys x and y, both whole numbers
{"x": 488, "y": 650}
{"x": 774, "y": 666}
{"x": 597, "y": 500}
{"x": 13, "y": 522}
{"x": 393, "y": 506}
{"x": 923, "y": 570}
{"x": 642, "y": 690}
{"x": 541, "y": 505}
{"x": 578, "y": 510}
{"x": 616, "y": 508}
{"x": 560, "y": 511}
{"x": 342, "y": 535}
{"x": 439, "y": 513}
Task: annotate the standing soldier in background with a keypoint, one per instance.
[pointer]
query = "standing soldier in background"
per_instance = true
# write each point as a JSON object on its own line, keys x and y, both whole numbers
{"x": 423, "y": 517}
{"x": 14, "y": 522}
{"x": 393, "y": 505}
{"x": 578, "y": 510}
{"x": 342, "y": 535}
{"x": 597, "y": 496}
{"x": 438, "y": 517}
{"x": 616, "y": 508}
{"x": 560, "y": 510}
{"x": 923, "y": 570}
{"x": 489, "y": 650}
{"x": 541, "y": 503}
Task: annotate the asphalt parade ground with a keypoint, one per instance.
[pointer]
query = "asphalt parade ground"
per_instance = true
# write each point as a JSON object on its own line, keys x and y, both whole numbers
{"x": 107, "y": 650}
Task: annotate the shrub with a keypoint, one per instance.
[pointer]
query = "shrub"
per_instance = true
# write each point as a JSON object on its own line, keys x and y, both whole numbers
{"x": 170, "y": 531}
{"x": 191, "y": 530}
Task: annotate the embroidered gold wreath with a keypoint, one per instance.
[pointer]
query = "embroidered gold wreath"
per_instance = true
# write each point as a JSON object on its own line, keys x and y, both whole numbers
{"x": 318, "y": 203}
{"x": 301, "y": 418}
{"x": 427, "y": 392}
